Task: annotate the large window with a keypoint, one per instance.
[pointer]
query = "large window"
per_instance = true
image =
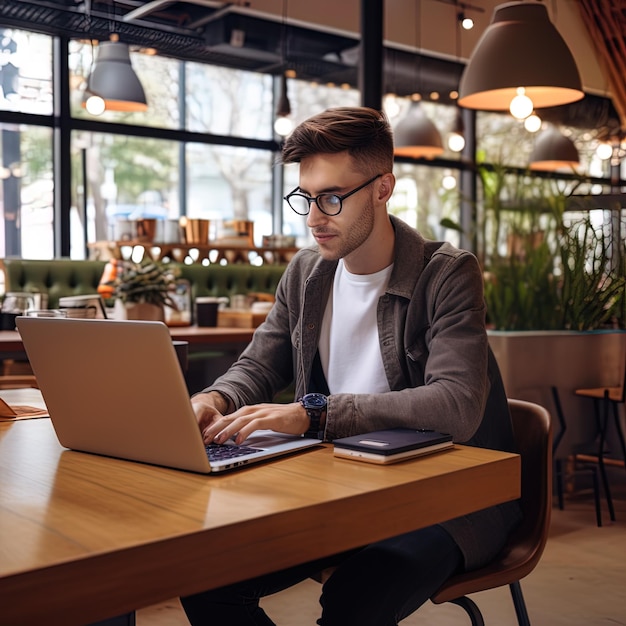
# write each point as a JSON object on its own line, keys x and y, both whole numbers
{"x": 205, "y": 149}
{"x": 117, "y": 179}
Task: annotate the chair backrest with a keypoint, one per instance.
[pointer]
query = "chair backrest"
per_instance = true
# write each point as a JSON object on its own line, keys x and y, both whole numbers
{"x": 533, "y": 434}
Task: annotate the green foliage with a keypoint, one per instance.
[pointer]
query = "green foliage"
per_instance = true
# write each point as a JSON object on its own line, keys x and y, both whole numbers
{"x": 571, "y": 285}
{"x": 546, "y": 268}
{"x": 151, "y": 283}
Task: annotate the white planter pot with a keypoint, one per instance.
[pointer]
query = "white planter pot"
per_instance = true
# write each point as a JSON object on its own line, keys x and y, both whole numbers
{"x": 531, "y": 362}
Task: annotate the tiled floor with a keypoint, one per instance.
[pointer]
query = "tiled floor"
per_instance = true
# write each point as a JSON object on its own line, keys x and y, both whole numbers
{"x": 580, "y": 581}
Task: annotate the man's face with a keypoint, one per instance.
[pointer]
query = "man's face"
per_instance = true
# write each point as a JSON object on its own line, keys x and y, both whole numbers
{"x": 340, "y": 235}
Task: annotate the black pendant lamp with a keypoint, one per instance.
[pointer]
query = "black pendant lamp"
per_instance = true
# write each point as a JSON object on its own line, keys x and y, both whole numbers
{"x": 520, "y": 55}
{"x": 553, "y": 151}
{"x": 417, "y": 136}
{"x": 114, "y": 80}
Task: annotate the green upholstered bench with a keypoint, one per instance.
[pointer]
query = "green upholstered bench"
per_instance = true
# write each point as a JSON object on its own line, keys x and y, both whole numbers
{"x": 230, "y": 280}
{"x": 68, "y": 277}
{"x": 56, "y": 278}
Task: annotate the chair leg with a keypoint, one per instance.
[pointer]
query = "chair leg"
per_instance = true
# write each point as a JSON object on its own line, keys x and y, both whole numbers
{"x": 602, "y": 424}
{"x": 558, "y": 471}
{"x": 471, "y": 608}
{"x": 620, "y": 432}
{"x": 555, "y": 444}
{"x": 520, "y": 605}
{"x": 596, "y": 496}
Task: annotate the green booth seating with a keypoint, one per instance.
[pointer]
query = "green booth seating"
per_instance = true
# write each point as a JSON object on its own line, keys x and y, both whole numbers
{"x": 68, "y": 277}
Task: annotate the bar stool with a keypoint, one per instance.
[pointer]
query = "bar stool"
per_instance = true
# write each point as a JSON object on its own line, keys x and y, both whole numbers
{"x": 558, "y": 467}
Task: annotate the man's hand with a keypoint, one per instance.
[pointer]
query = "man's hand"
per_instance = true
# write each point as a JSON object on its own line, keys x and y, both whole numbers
{"x": 285, "y": 418}
{"x": 208, "y": 407}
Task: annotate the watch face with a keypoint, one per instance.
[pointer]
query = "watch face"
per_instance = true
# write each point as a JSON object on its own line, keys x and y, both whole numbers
{"x": 314, "y": 401}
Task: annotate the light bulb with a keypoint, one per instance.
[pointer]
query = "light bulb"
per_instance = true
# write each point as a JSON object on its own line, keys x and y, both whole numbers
{"x": 391, "y": 106}
{"x": 283, "y": 126}
{"x": 521, "y": 106}
{"x": 95, "y": 105}
{"x": 532, "y": 123}
{"x": 448, "y": 182}
{"x": 456, "y": 142}
{"x": 467, "y": 23}
{"x": 604, "y": 151}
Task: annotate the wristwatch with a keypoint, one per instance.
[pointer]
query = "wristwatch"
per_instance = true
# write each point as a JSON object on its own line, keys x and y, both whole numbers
{"x": 315, "y": 406}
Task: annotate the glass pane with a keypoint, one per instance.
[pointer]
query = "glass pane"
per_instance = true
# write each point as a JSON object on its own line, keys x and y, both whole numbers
{"x": 424, "y": 196}
{"x": 225, "y": 183}
{"x": 229, "y": 102}
{"x": 25, "y": 72}
{"x": 309, "y": 98}
{"x": 26, "y": 192}
{"x": 128, "y": 178}
{"x": 159, "y": 77}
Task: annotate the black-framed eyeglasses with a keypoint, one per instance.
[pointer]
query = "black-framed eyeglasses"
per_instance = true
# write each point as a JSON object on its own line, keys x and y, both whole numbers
{"x": 328, "y": 203}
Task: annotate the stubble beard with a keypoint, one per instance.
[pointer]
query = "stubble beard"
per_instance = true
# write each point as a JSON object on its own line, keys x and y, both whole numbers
{"x": 357, "y": 234}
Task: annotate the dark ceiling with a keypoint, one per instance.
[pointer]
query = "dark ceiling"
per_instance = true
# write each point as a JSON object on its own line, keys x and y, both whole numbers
{"x": 230, "y": 35}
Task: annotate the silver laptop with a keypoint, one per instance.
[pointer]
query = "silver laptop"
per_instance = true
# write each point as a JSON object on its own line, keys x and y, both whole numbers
{"x": 116, "y": 388}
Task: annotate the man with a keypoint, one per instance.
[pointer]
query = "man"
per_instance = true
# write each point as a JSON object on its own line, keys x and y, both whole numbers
{"x": 385, "y": 329}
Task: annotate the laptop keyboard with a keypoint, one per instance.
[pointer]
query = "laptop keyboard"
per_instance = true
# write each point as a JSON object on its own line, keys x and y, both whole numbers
{"x": 219, "y": 452}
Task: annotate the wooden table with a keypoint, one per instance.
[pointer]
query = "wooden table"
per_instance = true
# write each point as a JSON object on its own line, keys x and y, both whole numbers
{"x": 84, "y": 537}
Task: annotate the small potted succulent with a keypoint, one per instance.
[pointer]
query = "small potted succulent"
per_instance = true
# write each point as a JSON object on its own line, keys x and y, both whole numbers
{"x": 144, "y": 289}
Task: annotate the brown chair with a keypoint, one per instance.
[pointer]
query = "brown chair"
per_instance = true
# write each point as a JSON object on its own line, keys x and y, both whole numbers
{"x": 533, "y": 434}
{"x": 604, "y": 399}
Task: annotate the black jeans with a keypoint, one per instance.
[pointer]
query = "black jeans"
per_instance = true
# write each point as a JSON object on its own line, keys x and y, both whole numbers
{"x": 377, "y": 585}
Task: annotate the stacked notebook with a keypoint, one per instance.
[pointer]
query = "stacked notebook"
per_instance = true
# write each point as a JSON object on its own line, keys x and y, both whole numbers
{"x": 392, "y": 445}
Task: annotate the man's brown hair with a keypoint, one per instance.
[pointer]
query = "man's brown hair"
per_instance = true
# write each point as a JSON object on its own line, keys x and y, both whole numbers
{"x": 363, "y": 132}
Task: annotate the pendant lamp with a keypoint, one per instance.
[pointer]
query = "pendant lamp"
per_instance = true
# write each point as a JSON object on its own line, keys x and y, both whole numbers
{"x": 114, "y": 80}
{"x": 416, "y": 136}
{"x": 553, "y": 151}
{"x": 521, "y": 54}
{"x": 283, "y": 125}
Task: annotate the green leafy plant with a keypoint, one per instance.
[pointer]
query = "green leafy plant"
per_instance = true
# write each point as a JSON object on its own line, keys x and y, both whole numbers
{"x": 546, "y": 267}
{"x": 152, "y": 283}
{"x": 569, "y": 284}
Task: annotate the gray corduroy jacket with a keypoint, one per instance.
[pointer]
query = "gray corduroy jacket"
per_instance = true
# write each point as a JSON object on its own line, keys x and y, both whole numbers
{"x": 441, "y": 372}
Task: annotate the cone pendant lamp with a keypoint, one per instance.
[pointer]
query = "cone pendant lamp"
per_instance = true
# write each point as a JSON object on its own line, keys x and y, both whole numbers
{"x": 114, "y": 80}
{"x": 520, "y": 54}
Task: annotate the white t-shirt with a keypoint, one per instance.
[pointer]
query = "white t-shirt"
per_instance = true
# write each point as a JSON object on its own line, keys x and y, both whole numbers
{"x": 349, "y": 346}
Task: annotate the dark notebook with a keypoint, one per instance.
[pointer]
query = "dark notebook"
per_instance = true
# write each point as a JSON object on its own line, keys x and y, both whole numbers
{"x": 391, "y": 445}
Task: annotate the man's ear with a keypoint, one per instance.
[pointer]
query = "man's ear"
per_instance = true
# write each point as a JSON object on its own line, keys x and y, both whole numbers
{"x": 387, "y": 184}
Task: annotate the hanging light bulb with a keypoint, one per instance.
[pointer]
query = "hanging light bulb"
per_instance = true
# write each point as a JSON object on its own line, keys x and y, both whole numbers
{"x": 283, "y": 124}
{"x": 467, "y": 23}
{"x": 390, "y": 105}
{"x": 604, "y": 151}
{"x": 521, "y": 106}
{"x": 94, "y": 105}
{"x": 532, "y": 123}
{"x": 456, "y": 138}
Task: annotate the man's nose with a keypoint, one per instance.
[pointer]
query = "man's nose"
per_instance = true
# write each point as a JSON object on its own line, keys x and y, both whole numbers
{"x": 315, "y": 216}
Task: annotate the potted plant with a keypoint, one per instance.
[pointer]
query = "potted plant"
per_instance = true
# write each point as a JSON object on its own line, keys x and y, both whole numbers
{"x": 555, "y": 285}
{"x": 144, "y": 289}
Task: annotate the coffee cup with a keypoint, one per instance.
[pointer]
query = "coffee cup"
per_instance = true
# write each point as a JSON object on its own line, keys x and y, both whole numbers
{"x": 206, "y": 310}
